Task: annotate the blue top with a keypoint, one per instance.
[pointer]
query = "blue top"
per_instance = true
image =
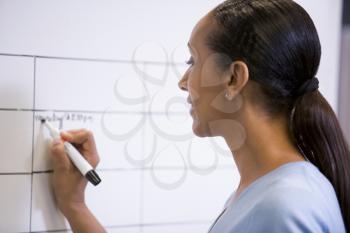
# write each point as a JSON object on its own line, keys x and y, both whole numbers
{"x": 294, "y": 198}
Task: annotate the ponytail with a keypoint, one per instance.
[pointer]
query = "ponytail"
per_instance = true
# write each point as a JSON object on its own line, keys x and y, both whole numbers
{"x": 318, "y": 135}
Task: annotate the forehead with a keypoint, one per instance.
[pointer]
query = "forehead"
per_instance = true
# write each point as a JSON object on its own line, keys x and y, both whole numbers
{"x": 200, "y": 31}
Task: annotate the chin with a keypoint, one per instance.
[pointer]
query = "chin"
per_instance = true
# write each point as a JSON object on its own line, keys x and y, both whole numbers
{"x": 196, "y": 128}
{"x": 199, "y": 129}
{"x": 198, "y": 133}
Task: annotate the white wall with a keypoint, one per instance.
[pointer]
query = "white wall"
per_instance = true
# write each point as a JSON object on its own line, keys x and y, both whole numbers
{"x": 116, "y": 64}
{"x": 344, "y": 83}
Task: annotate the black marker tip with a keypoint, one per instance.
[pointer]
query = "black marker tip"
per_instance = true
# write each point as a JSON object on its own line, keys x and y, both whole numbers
{"x": 93, "y": 177}
{"x": 43, "y": 121}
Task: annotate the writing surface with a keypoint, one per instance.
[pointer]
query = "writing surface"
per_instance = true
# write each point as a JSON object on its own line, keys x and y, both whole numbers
{"x": 16, "y": 133}
{"x": 15, "y": 203}
{"x": 80, "y": 64}
{"x": 17, "y": 82}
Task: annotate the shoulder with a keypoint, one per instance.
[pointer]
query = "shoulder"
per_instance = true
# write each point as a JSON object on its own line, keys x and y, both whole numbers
{"x": 285, "y": 210}
{"x": 292, "y": 203}
{"x": 286, "y": 200}
{"x": 301, "y": 186}
{"x": 295, "y": 198}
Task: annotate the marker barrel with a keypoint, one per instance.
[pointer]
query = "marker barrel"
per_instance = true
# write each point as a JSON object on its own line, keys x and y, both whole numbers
{"x": 84, "y": 167}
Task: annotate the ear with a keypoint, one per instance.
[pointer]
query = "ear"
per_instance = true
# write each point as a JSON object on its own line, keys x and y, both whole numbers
{"x": 237, "y": 78}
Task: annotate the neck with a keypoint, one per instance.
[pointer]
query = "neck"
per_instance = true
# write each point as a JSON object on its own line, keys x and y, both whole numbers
{"x": 267, "y": 145}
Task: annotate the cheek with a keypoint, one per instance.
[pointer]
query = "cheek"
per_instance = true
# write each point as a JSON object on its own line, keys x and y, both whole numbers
{"x": 193, "y": 85}
{"x": 200, "y": 94}
{"x": 211, "y": 74}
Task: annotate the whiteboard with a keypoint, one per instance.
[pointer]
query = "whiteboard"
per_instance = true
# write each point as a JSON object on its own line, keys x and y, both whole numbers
{"x": 113, "y": 67}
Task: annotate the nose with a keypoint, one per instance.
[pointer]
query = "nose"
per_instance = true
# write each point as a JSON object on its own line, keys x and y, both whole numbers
{"x": 183, "y": 82}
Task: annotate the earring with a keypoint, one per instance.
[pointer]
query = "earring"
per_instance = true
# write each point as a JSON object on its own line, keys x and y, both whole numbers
{"x": 228, "y": 96}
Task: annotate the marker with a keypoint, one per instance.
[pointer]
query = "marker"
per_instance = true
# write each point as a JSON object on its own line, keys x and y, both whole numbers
{"x": 78, "y": 160}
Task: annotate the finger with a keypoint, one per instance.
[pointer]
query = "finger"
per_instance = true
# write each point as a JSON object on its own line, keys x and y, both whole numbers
{"x": 84, "y": 142}
{"x": 75, "y": 130}
{"x": 81, "y": 137}
{"x": 77, "y": 136}
{"x": 59, "y": 156}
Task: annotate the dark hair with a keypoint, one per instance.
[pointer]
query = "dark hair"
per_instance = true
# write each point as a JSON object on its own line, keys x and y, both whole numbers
{"x": 279, "y": 43}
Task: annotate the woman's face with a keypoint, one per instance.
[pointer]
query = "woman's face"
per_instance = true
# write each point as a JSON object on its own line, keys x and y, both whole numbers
{"x": 206, "y": 83}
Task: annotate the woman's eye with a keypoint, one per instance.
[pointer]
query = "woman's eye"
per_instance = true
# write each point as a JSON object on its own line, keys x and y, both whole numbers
{"x": 190, "y": 61}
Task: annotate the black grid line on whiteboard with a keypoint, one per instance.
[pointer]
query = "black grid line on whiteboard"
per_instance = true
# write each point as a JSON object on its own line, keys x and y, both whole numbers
{"x": 141, "y": 226}
{"x": 31, "y": 178}
{"x": 143, "y": 168}
{"x": 97, "y": 60}
{"x": 94, "y": 112}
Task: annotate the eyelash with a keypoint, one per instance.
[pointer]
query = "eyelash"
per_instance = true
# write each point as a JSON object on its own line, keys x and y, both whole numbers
{"x": 190, "y": 61}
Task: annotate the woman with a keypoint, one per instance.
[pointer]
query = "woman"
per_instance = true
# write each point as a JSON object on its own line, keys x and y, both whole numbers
{"x": 252, "y": 81}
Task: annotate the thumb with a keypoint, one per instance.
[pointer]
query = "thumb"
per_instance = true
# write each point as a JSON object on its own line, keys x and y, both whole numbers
{"x": 59, "y": 156}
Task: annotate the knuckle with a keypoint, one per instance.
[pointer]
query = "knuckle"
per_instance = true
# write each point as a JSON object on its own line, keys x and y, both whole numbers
{"x": 89, "y": 133}
{"x": 84, "y": 132}
{"x": 96, "y": 160}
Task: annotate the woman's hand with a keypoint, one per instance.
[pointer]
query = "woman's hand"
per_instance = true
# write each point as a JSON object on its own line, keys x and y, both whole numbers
{"x": 68, "y": 183}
